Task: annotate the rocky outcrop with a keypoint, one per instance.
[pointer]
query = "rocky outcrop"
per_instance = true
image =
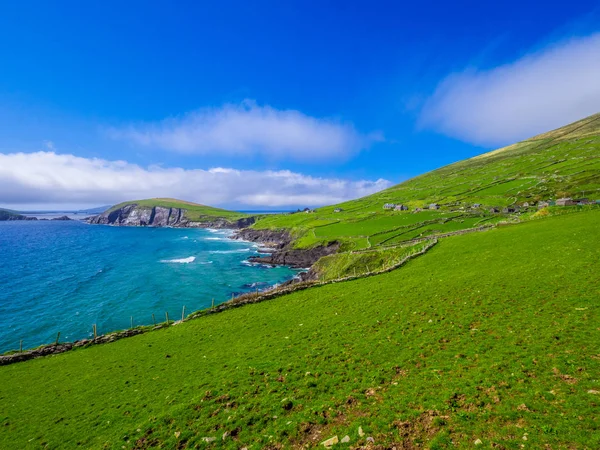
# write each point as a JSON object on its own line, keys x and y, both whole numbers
{"x": 283, "y": 253}
{"x": 160, "y": 216}
{"x": 63, "y": 218}
{"x": 276, "y": 239}
{"x": 134, "y": 215}
{"x": 297, "y": 258}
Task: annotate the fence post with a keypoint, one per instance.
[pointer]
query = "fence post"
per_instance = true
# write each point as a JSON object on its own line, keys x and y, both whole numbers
{"x": 167, "y": 315}
{"x": 213, "y": 304}
{"x": 21, "y": 346}
{"x": 131, "y": 321}
{"x": 183, "y": 313}
{"x": 57, "y": 338}
{"x": 153, "y": 320}
{"x": 95, "y": 331}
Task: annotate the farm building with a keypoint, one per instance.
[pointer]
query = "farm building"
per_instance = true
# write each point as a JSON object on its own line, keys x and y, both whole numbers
{"x": 434, "y": 206}
{"x": 526, "y": 205}
{"x": 389, "y": 206}
{"x": 401, "y": 208}
{"x": 494, "y": 210}
{"x": 543, "y": 205}
{"x": 509, "y": 209}
{"x": 565, "y": 202}
{"x": 476, "y": 205}
{"x": 338, "y": 210}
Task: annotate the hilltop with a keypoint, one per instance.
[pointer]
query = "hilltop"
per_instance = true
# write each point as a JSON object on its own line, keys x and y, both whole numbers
{"x": 170, "y": 212}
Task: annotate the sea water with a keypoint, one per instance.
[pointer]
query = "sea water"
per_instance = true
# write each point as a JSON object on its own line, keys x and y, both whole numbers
{"x": 64, "y": 277}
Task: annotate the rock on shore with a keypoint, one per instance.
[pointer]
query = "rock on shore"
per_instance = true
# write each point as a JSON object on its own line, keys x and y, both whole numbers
{"x": 283, "y": 253}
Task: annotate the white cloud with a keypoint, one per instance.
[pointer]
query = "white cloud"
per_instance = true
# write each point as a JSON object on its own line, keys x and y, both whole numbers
{"x": 247, "y": 129}
{"x": 61, "y": 179}
{"x": 536, "y": 93}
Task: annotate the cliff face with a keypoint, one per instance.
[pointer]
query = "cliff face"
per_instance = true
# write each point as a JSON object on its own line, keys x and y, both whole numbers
{"x": 159, "y": 216}
{"x": 283, "y": 253}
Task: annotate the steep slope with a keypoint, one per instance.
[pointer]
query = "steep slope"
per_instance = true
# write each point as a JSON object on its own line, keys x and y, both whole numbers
{"x": 7, "y": 214}
{"x": 162, "y": 212}
{"x": 489, "y": 336}
{"x": 500, "y": 185}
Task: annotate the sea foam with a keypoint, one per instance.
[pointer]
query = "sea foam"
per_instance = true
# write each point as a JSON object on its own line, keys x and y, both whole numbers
{"x": 179, "y": 261}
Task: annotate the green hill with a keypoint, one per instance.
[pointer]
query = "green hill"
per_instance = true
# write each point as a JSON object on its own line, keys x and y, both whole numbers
{"x": 489, "y": 336}
{"x": 561, "y": 163}
{"x": 8, "y": 214}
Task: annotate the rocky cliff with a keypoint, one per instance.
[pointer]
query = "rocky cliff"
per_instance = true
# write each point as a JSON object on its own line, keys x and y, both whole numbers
{"x": 159, "y": 216}
{"x": 283, "y": 252}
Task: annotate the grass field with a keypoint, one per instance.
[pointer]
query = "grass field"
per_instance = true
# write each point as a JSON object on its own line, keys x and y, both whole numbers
{"x": 193, "y": 211}
{"x": 491, "y": 336}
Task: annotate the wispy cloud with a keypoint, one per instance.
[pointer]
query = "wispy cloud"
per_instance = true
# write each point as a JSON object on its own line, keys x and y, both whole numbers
{"x": 538, "y": 92}
{"x": 247, "y": 129}
{"x": 50, "y": 178}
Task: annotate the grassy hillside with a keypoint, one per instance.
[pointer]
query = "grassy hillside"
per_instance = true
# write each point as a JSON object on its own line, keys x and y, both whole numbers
{"x": 489, "y": 336}
{"x": 6, "y": 214}
{"x": 561, "y": 163}
{"x": 193, "y": 211}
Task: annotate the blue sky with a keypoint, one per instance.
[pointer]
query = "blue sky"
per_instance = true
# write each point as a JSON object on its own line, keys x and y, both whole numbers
{"x": 275, "y": 104}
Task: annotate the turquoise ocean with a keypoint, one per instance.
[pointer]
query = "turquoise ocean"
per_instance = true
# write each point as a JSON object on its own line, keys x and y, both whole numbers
{"x": 64, "y": 277}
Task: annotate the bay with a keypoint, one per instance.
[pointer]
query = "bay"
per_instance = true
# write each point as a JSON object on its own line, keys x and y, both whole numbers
{"x": 66, "y": 276}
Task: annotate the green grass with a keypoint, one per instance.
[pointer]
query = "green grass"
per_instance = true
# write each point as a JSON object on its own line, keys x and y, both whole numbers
{"x": 341, "y": 265}
{"x": 490, "y": 336}
{"x": 193, "y": 211}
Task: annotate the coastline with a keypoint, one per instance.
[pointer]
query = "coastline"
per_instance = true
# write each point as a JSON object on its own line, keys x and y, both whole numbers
{"x": 181, "y": 269}
{"x": 236, "y": 302}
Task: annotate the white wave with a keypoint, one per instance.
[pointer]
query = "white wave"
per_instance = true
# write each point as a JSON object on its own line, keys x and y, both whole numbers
{"x": 224, "y": 252}
{"x": 214, "y": 239}
{"x": 179, "y": 261}
{"x": 206, "y": 262}
{"x": 185, "y": 237}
